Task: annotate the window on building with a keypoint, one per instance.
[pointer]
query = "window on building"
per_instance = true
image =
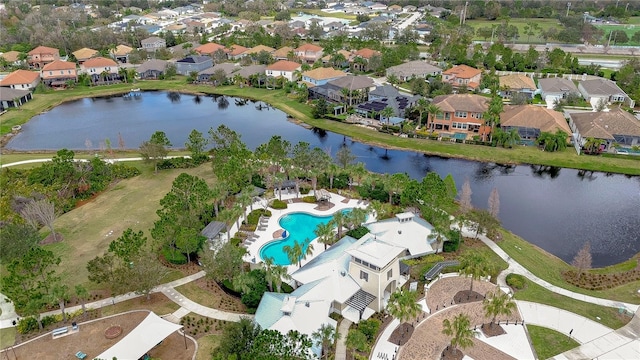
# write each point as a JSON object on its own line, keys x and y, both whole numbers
{"x": 50, "y": 72}
{"x": 389, "y": 274}
{"x": 364, "y": 275}
{"x": 461, "y": 114}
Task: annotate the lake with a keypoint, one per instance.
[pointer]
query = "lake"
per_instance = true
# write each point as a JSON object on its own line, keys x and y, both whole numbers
{"x": 556, "y": 209}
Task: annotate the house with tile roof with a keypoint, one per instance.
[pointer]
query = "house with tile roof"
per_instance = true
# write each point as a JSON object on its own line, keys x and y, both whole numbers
{"x": 462, "y": 75}
{"x": 284, "y": 68}
{"x": 517, "y": 83}
{"x": 460, "y": 114}
{"x": 283, "y": 53}
{"x": 414, "y": 69}
{"x": 257, "y": 49}
{"x": 557, "y": 88}
{"x": 601, "y": 89}
{"x": 209, "y": 49}
{"x": 11, "y": 57}
{"x": 321, "y": 76}
{"x": 359, "y": 59}
{"x": 354, "y": 277}
{"x": 236, "y": 52}
{"x": 193, "y": 63}
{"x": 530, "y": 121}
{"x": 101, "y": 69}
{"x": 41, "y": 56}
{"x": 84, "y": 54}
{"x": 21, "y": 80}
{"x": 152, "y": 69}
{"x": 121, "y": 53}
{"x": 153, "y": 43}
{"x": 58, "y": 73}
{"x": 613, "y": 127}
{"x": 309, "y": 53}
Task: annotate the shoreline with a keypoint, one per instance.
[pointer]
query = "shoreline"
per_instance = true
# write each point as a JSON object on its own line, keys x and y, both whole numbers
{"x": 298, "y": 113}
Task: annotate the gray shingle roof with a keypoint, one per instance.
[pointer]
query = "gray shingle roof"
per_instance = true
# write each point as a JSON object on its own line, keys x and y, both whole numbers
{"x": 603, "y": 125}
{"x": 417, "y": 67}
{"x": 352, "y": 82}
{"x": 557, "y": 85}
{"x": 8, "y": 94}
{"x": 601, "y": 87}
{"x": 213, "y": 229}
{"x": 153, "y": 64}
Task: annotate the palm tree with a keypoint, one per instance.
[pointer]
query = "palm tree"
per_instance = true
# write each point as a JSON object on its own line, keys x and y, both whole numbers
{"x": 338, "y": 221}
{"x": 592, "y": 145}
{"x": 403, "y": 304}
{"x": 326, "y": 336}
{"x": 61, "y": 295}
{"x": 346, "y": 94}
{"x": 432, "y": 110}
{"x": 338, "y": 60}
{"x": 294, "y": 253}
{"x": 83, "y": 295}
{"x": 499, "y": 303}
{"x": 460, "y": 331}
{"x": 324, "y": 232}
{"x": 475, "y": 265}
{"x": 512, "y": 137}
{"x": 393, "y": 80}
{"x": 421, "y": 106}
{"x": 275, "y": 274}
{"x": 243, "y": 282}
{"x": 309, "y": 250}
{"x": 387, "y": 112}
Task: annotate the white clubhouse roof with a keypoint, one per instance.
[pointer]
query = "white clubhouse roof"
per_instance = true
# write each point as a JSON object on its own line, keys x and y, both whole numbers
{"x": 374, "y": 251}
{"x": 406, "y": 230}
{"x": 149, "y": 333}
{"x": 334, "y": 259}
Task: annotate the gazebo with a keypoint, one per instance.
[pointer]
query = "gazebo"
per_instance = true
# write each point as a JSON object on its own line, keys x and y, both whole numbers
{"x": 323, "y": 195}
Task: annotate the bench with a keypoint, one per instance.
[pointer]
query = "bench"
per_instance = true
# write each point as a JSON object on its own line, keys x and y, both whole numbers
{"x": 59, "y": 331}
{"x": 80, "y": 355}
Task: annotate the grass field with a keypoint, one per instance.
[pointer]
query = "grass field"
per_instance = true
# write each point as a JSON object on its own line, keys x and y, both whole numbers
{"x": 550, "y": 268}
{"x": 319, "y": 12}
{"x": 89, "y": 229}
{"x": 7, "y": 337}
{"x": 549, "y": 343}
{"x": 206, "y": 345}
{"x": 634, "y": 20}
{"x": 544, "y": 24}
{"x": 608, "y": 316}
{"x": 629, "y": 29}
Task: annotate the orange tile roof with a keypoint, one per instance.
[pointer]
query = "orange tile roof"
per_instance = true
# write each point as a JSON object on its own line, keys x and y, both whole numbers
{"x": 20, "y": 77}
{"x": 208, "y": 48}
{"x": 309, "y": 47}
{"x": 322, "y": 73}
{"x": 11, "y": 56}
{"x": 236, "y": 50}
{"x": 259, "y": 48}
{"x": 44, "y": 50}
{"x": 84, "y": 53}
{"x": 366, "y": 53}
{"x": 59, "y": 65}
{"x": 99, "y": 62}
{"x": 462, "y": 72}
{"x": 284, "y": 65}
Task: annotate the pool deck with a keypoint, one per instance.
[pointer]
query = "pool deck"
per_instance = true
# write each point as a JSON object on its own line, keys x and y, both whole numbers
{"x": 266, "y": 235}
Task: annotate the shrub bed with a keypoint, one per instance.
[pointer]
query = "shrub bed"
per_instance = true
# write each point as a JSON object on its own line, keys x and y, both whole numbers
{"x": 516, "y": 281}
{"x": 309, "y": 199}
{"x": 278, "y": 204}
{"x": 593, "y": 281}
{"x": 358, "y": 232}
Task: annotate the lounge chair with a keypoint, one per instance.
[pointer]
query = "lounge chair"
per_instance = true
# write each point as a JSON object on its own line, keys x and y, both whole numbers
{"x": 80, "y": 355}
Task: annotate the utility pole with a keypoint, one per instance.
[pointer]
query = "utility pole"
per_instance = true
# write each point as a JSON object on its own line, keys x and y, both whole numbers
{"x": 568, "y": 6}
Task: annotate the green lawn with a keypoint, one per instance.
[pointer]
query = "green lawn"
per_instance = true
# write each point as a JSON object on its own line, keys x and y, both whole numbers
{"x": 549, "y": 343}
{"x": 7, "y": 337}
{"x": 21, "y": 156}
{"x": 634, "y": 20}
{"x": 628, "y": 29}
{"x": 206, "y": 345}
{"x": 544, "y": 24}
{"x": 319, "y": 12}
{"x": 608, "y": 316}
{"x": 550, "y": 268}
{"x": 132, "y": 203}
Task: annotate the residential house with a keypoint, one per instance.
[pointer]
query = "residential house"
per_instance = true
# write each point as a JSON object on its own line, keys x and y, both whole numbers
{"x": 616, "y": 127}
{"x": 517, "y": 83}
{"x": 297, "y": 24}
{"x": 41, "y": 56}
{"x": 409, "y": 8}
{"x": 101, "y": 69}
{"x": 284, "y": 68}
{"x": 360, "y": 59}
{"x": 13, "y": 97}
{"x": 327, "y": 59}
{"x": 247, "y": 71}
{"x": 21, "y": 80}
{"x": 228, "y": 69}
{"x": 152, "y": 44}
{"x": 283, "y": 53}
{"x": 603, "y": 90}
{"x": 11, "y": 57}
{"x": 395, "y": 8}
{"x": 309, "y": 53}
{"x": 556, "y": 88}
{"x": 460, "y": 114}
{"x": 413, "y": 69}
{"x": 176, "y": 28}
{"x": 181, "y": 50}
{"x": 260, "y": 48}
{"x": 377, "y": 7}
{"x": 193, "y": 63}
{"x": 209, "y": 49}
{"x": 462, "y": 75}
{"x": 152, "y": 69}
{"x": 84, "y": 54}
{"x": 348, "y": 90}
{"x": 387, "y": 96}
{"x": 321, "y": 76}
{"x": 353, "y": 278}
{"x": 333, "y": 26}
{"x": 58, "y": 73}
{"x": 236, "y": 52}
{"x": 530, "y": 121}
{"x": 121, "y": 53}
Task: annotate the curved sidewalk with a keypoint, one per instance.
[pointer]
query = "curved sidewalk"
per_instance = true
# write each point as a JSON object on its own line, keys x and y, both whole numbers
{"x": 515, "y": 267}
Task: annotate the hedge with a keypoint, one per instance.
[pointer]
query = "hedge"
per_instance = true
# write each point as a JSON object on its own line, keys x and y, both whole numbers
{"x": 278, "y": 204}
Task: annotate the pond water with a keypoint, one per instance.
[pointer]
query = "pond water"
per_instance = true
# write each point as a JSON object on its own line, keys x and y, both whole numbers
{"x": 556, "y": 209}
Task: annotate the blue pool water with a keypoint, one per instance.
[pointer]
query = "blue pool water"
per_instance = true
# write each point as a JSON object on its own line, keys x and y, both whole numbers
{"x": 300, "y": 227}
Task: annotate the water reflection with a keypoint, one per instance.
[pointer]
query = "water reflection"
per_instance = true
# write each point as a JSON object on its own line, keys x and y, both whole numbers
{"x": 174, "y": 97}
{"x": 223, "y": 103}
{"x": 197, "y": 99}
{"x": 543, "y": 171}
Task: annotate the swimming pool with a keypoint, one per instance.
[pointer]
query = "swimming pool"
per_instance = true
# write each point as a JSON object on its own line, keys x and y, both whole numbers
{"x": 300, "y": 226}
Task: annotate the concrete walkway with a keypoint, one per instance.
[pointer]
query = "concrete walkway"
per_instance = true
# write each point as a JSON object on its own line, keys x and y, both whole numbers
{"x": 341, "y": 344}
{"x": 516, "y": 268}
{"x": 383, "y": 348}
{"x": 196, "y": 308}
